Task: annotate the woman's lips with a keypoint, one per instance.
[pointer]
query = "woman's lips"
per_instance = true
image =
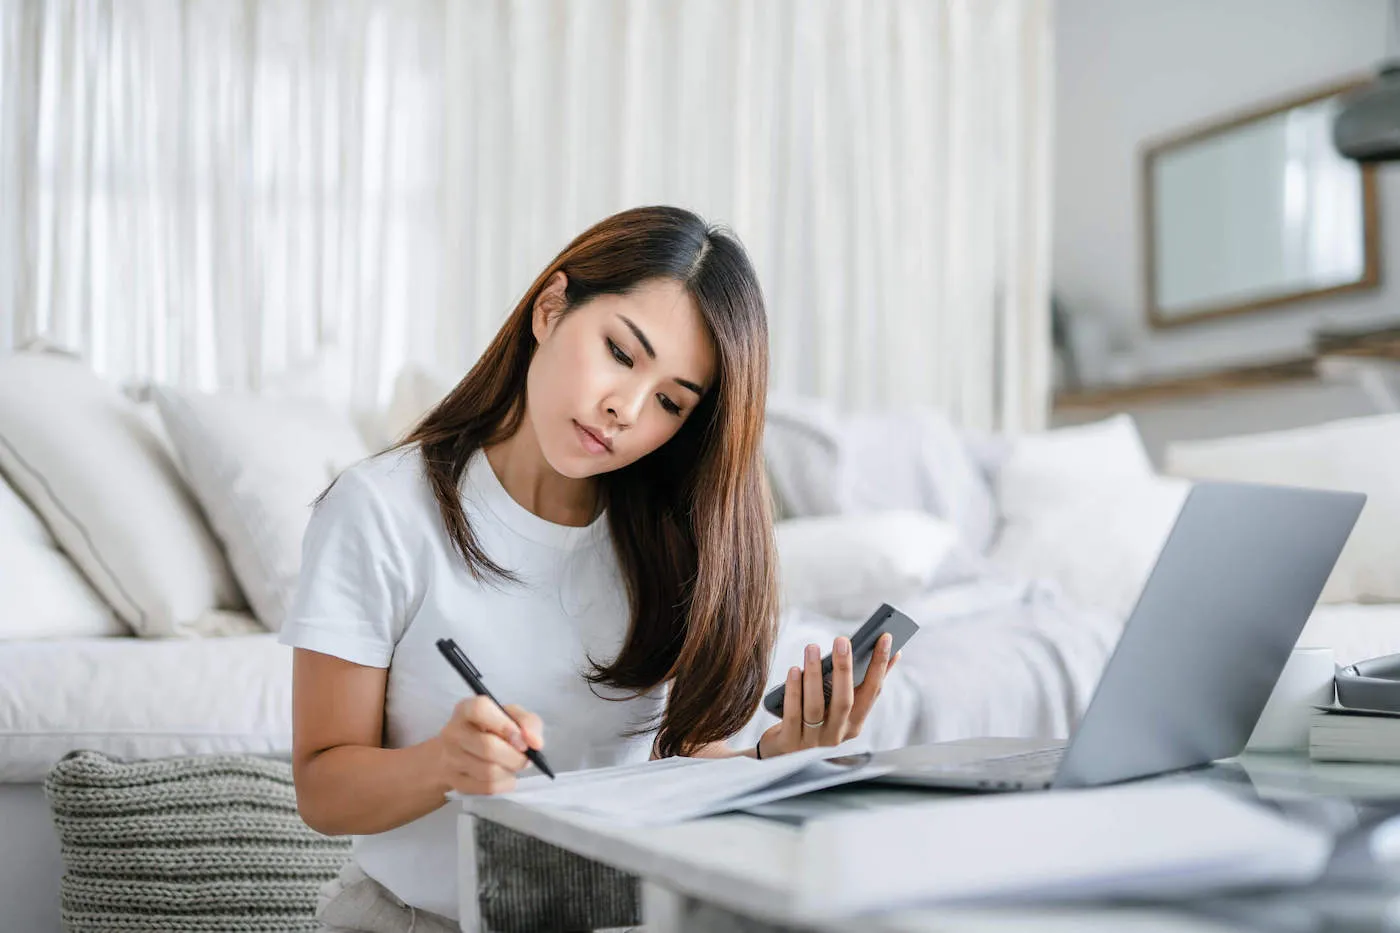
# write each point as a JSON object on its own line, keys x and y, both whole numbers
{"x": 591, "y": 442}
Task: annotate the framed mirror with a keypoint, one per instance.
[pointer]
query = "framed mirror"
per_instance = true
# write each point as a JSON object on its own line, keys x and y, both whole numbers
{"x": 1256, "y": 211}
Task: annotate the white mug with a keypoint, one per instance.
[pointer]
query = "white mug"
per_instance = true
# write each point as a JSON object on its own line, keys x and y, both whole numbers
{"x": 1306, "y": 681}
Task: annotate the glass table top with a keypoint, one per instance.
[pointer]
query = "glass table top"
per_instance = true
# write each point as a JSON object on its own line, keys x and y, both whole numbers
{"x": 1358, "y": 803}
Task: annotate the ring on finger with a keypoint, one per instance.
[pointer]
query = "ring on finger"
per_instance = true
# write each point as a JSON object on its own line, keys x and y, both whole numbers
{"x": 814, "y": 725}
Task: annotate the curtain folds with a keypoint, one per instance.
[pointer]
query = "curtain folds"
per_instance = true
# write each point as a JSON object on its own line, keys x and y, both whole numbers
{"x": 218, "y": 194}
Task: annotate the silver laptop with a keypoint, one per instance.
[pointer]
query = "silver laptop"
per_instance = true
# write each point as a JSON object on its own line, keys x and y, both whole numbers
{"x": 1231, "y": 591}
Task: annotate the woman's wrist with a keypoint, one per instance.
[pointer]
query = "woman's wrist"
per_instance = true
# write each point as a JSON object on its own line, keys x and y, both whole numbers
{"x": 433, "y": 765}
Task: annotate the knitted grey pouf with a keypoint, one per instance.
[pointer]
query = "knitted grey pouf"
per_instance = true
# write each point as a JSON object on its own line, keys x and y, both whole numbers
{"x": 528, "y": 886}
{"x": 192, "y": 844}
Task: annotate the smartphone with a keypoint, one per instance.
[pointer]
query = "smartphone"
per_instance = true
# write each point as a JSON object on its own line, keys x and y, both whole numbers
{"x": 885, "y": 619}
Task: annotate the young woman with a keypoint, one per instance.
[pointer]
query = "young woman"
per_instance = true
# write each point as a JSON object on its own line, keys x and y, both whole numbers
{"x": 586, "y": 514}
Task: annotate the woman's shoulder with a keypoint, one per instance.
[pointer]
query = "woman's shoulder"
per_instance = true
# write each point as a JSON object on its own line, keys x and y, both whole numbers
{"x": 394, "y": 480}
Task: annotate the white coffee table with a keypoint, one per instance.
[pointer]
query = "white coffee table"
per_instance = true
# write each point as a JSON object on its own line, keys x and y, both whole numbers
{"x": 737, "y": 871}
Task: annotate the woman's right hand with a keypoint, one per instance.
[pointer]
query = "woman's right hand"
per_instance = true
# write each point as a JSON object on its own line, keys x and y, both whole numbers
{"x": 482, "y": 749}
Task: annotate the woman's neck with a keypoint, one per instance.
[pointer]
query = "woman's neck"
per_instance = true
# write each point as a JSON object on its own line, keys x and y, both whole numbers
{"x": 529, "y": 479}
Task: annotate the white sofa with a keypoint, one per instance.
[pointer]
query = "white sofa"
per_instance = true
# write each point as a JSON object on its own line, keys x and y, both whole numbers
{"x": 124, "y": 625}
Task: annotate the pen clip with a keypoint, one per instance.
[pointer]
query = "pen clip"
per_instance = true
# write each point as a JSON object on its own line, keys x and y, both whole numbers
{"x": 461, "y": 656}
{"x": 472, "y": 667}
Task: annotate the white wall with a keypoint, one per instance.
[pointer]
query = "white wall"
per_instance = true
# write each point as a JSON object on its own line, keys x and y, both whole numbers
{"x": 1133, "y": 70}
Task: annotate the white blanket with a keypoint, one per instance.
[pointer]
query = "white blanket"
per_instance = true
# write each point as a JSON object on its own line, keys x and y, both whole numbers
{"x": 997, "y": 658}
{"x": 992, "y": 657}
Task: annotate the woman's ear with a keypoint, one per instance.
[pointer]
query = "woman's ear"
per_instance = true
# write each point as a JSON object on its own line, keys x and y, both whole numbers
{"x": 548, "y": 304}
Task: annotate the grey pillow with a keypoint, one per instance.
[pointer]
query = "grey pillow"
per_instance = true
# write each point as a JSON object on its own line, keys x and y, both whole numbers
{"x": 823, "y": 461}
{"x": 195, "y": 843}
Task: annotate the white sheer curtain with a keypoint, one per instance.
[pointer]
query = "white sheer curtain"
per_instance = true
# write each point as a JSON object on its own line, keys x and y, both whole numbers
{"x": 218, "y": 194}
{"x": 885, "y": 162}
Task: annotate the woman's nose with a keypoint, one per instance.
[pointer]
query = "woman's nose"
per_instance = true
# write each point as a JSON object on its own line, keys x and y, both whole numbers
{"x": 626, "y": 408}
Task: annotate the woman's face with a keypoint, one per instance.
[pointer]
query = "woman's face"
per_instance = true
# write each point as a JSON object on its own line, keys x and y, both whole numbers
{"x": 615, "y": 378}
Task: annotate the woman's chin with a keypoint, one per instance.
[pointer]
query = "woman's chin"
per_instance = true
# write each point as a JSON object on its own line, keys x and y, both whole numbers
{"x": 575, "y": 465}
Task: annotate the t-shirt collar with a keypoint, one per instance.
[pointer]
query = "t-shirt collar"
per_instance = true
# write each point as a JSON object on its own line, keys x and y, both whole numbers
{"x": 480, "y": 482}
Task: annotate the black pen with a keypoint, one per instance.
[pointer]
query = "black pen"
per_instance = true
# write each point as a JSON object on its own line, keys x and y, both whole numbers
{"x": 472, "y": 676}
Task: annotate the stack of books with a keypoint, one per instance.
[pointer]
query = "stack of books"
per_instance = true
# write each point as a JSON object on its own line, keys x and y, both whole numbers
{"x": 1338, "y": 733}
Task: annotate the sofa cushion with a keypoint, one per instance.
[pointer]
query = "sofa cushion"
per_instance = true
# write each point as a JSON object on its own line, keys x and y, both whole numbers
{"x": 141, "y": 698}
{"x": 1082, "y": 507}
{"x": 194, "y": 843}
{"x": 846, "y": 565}
{"x": 257, "y": 465}
{"x": 1098, "y": 546}
{"x": 81, "y": 454}
{"x": 1357, "y": 454}
{"x": 44, "y": 595}
{"x": 1054, "y": 466}
{"x": 822, "y": 461}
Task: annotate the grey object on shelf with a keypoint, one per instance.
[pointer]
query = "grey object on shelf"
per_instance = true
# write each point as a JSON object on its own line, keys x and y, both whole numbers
{"x": 1367, "y": 128}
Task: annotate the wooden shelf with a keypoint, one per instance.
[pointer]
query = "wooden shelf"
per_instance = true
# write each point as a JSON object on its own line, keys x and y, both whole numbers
{"x": 1185, "y": 386}
{"x": 1381, "y": 343}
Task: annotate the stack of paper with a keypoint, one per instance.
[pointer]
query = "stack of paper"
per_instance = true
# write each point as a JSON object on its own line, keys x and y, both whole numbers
{"x": 1341, "y": 734}
{"x": 1153, "y": 839}
{"x": 676, "y": 789}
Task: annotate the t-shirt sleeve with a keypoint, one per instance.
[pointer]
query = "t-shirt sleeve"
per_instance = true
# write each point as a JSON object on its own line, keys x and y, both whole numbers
{"x": 354, "y": 590}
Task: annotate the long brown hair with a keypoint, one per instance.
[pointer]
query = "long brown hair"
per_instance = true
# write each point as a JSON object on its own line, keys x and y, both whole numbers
{"x": 691, "y": 522}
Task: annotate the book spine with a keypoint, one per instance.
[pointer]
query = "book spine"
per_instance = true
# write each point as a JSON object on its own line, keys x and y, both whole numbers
{"x": 1353, "y": 754}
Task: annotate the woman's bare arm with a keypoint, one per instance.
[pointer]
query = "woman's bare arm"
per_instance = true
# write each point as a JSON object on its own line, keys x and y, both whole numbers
{"x": 346, "y": 781}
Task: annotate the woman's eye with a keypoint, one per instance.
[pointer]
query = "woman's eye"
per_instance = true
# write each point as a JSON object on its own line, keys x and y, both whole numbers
{"x": 618, "y": 355}
{"x": 669, "y": 405}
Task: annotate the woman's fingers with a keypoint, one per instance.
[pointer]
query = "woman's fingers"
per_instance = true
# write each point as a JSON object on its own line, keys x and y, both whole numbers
{"x": 869, "y": 688}
{"x": 494, "y": 749}
{"x": 469, "y": 773}
{"x": 490, "y": 777}
{"x": 813, "y": 697}
{"x": 842, "y": 693}
{"x": 792, "y": 704}
{"x": 483, "y": 715}
{"x": 530, "y": 724}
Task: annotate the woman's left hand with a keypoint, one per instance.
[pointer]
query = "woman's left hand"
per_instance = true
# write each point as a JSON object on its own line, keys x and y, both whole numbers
{"x": 805, "y": 723}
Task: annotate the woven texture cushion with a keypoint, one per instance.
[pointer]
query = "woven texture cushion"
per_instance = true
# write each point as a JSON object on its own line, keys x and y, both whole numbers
{"x": 197, "y": 843}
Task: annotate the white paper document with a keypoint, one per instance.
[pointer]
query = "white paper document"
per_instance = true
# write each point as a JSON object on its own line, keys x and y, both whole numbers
{"x": 676, "y": 789}
{"x": 1148, "y": 839}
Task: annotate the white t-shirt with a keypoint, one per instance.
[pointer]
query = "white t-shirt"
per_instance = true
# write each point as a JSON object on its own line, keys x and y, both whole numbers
{"x": 381, "y": 582}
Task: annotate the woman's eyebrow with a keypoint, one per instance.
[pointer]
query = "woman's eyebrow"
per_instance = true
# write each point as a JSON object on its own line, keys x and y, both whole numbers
{"x": 641, "y": 337}
{"x": 651, "y": 352}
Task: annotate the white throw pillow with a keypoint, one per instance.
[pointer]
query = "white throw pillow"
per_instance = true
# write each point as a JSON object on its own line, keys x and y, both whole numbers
{"x": 80, "y": 453}
{"x": 257, "y": 465}
{"x": 846, "y": 565}
{"x": 1098, "y": 544}
{"x": 1358, "y": 454}
{"x": 916, "y": 459}
{"x": 44, "y": 595}
{"x": 1082, "y": 506}
{"x": 1050, "y": 466}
